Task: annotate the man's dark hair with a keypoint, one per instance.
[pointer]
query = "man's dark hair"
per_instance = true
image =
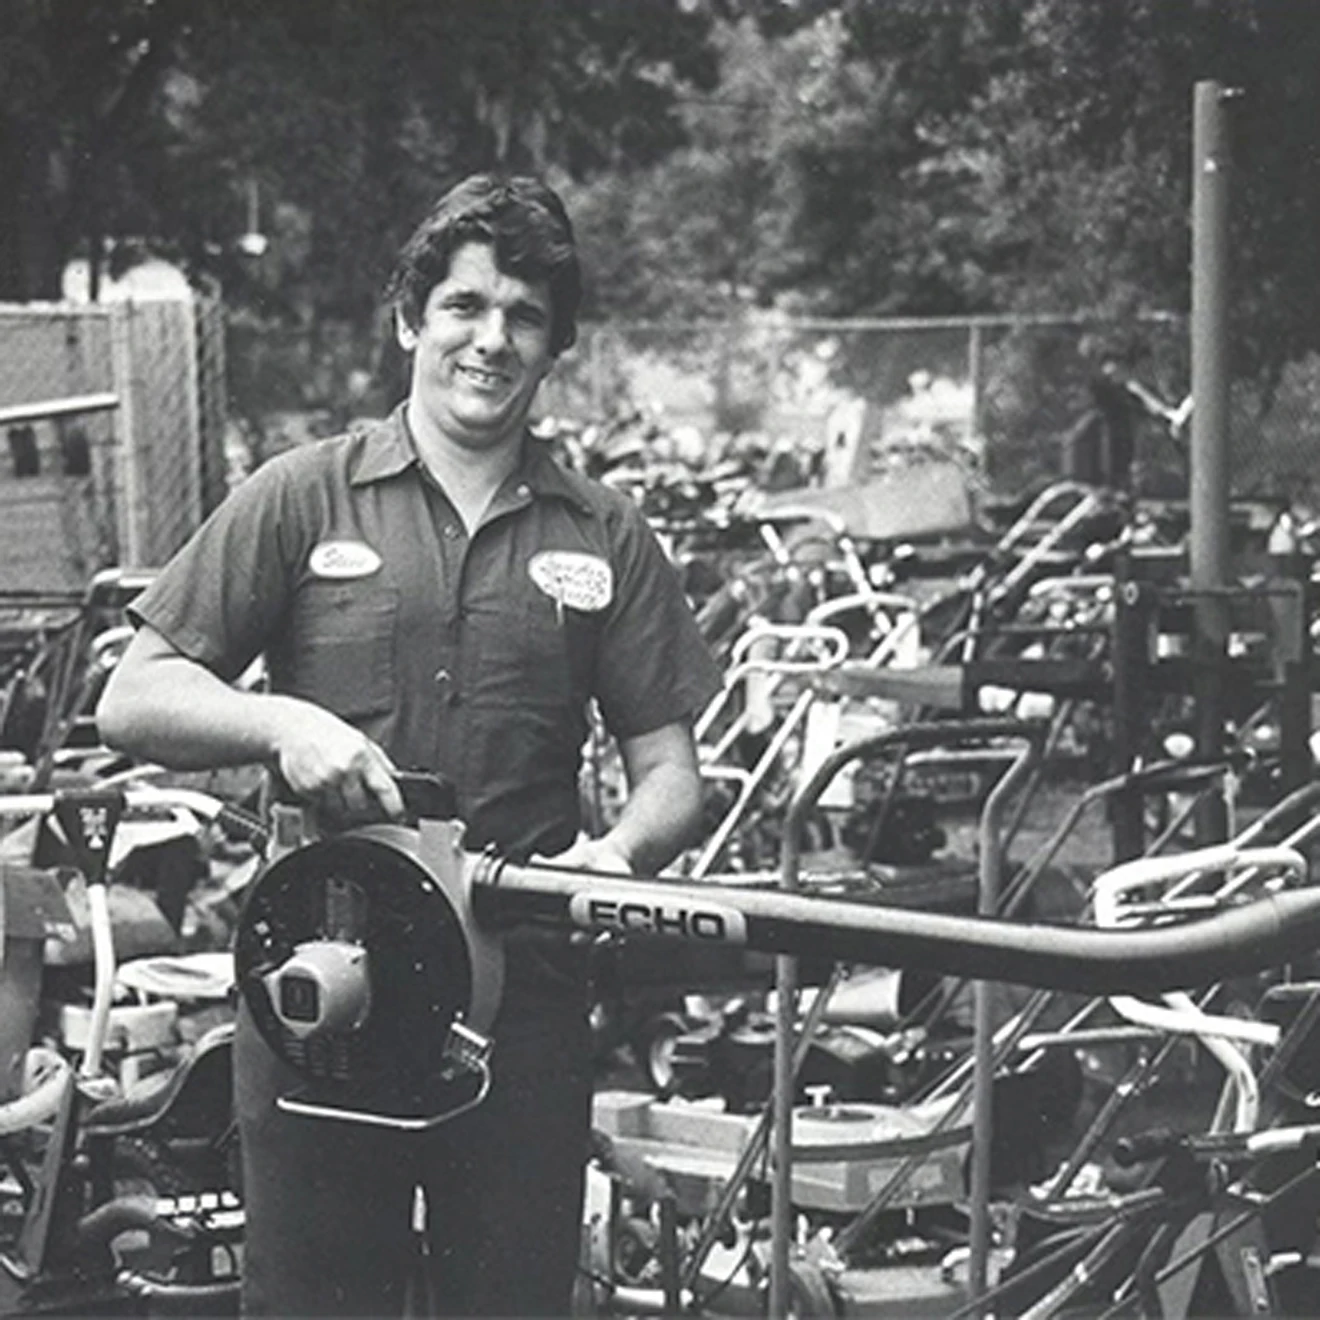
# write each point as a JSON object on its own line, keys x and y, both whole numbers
{"x": 524, "y": 221}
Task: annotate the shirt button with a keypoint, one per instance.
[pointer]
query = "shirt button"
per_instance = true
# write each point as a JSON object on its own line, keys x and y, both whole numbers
{"x": 442, "y": 678}
{"x": 524, "y": 490}
{"x": 451, "y": 532}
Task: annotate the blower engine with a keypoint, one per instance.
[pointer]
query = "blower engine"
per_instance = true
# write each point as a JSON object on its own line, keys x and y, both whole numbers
{"x": 360, "y": 965}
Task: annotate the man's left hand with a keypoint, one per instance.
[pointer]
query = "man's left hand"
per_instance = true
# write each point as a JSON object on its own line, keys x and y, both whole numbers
{"x": 584, "y": 854}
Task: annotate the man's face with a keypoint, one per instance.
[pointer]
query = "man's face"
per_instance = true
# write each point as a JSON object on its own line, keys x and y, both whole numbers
{"x": 481, "y": 350}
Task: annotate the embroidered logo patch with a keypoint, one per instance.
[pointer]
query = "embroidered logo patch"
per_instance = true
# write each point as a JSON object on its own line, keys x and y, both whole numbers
{"x": 573, "y": 578}
{"x": 343, "y": 559}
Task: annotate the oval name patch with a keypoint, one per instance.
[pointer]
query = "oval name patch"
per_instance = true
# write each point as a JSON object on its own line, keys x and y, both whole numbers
{"x": 343, "y": 559}
{"x": 573, "y": 578}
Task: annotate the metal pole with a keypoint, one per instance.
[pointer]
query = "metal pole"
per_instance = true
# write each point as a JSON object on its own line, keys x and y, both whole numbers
{"x": 70, "y": 407}
{"x": 1133, "y": 604}
{"x": 1209, "y": 502}
{"x": 781, "y": 1137}
{"x": 983, "y": 1043}
{"x": 596, "y": 371}
{"x": 783, "y": 1088}
{"x": 976, "y": 379}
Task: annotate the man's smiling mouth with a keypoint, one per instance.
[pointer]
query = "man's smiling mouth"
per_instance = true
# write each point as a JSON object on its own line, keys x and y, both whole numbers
{"x": 481, "y": 376}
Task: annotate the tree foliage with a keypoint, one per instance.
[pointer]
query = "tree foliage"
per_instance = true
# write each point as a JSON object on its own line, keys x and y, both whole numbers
{"x": 77, "y": 78}
{"x": 838, "y": 157}
{"x": 954, "y": 156}
{"x": 928, "y": 157}
{"x": 148, "y": 119}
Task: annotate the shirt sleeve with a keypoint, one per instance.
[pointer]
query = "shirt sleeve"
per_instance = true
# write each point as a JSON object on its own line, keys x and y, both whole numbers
{"x": 654, "y": 667}
{"x": 225, "y": 594}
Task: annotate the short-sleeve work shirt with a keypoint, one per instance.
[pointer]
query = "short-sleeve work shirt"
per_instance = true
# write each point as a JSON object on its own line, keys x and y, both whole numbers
{"x": 344, "y": 563}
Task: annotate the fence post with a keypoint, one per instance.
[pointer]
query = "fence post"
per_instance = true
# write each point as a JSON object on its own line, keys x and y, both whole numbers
{"x": 976, "y": 378}
{"x": 128, "y": 538}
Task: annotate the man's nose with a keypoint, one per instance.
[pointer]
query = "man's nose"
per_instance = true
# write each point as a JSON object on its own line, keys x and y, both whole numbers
{"x": 492, "y": 331}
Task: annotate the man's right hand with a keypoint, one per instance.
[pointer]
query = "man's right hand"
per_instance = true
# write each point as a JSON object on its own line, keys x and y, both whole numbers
{"x": 333, "y": 767}
{"x": 164, "y": 706}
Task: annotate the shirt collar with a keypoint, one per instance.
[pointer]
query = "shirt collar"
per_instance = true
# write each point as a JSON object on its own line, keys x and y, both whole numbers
{"x": 538, "y": 470}
{"x": 387, "y": 449}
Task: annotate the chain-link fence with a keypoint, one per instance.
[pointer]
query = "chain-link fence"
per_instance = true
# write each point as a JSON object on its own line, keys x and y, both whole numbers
{"x": 113, "y": 420}
{"x": 58, "y": 480}
{"x": 999, "y": 395}
{"x": 211, "y": 365}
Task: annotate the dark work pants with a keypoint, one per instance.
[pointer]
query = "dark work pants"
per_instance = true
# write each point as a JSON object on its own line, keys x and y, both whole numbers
{"x": 329, "y": 1204}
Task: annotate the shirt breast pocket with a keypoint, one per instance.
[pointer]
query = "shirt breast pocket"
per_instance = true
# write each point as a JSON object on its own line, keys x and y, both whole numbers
{"x": 343, "y": 646}
{"x": 535, "y": 653}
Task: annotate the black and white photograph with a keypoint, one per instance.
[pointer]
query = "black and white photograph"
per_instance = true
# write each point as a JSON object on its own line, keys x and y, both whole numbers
{"x": 660, "y": 658}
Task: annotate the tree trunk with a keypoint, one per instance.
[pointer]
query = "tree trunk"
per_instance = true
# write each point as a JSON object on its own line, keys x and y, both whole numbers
{"x": 31, "y": 253}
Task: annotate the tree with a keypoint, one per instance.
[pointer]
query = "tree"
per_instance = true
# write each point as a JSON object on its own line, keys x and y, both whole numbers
{"x": 697, "y": 235}
{"x": 146, "y": 120}
{"x": 76, "y": 78}
{"x": 964, "y": 156}
{"x": 1084, "y": 153}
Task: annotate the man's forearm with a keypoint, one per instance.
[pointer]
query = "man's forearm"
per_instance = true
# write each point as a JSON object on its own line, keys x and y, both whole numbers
{"x": 661, "y": 817}
{"x": 163, "y": 706}
{"x": 186, "y": 718}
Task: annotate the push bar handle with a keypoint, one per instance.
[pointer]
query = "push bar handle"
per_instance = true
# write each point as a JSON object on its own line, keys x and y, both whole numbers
{"x": 204, "y": 805}
{"x": 1112, "y": 885}
{"x": 833, "y": 641}
{"x": 1174, "y": 776}
{"x": 1161, "y": 1141}
{"x": 913, "y": 737}
{"x": 362, "y": 1116}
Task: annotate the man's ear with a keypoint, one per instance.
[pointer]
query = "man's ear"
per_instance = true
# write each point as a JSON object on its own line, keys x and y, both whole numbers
{"x": 403, "y": 332}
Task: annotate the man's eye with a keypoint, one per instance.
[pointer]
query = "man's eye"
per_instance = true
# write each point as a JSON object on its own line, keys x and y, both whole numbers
{"x": 529, "y": 316}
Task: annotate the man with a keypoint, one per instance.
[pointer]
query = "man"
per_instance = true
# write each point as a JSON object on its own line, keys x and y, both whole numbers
{"x": 435, "y": 593}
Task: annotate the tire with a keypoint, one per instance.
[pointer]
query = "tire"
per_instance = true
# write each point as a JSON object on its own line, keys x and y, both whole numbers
{"x": 635, "y": 1245}
{"x": 653, "y": 1048}
{"x": 809, "y": 1296}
